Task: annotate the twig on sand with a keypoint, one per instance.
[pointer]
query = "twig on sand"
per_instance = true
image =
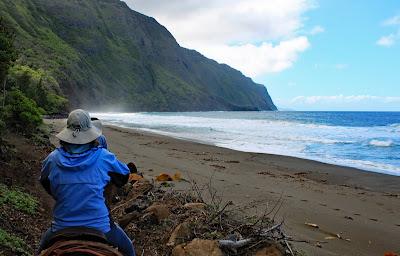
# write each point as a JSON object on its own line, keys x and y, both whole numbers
{"x": 217, "y": 214}
{"x": 288, "y": 246}
{"x": 265, "y": 232}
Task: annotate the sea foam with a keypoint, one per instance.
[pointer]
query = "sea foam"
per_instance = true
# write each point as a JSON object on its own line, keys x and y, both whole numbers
{"x": 381, "y": 143}
{"x": 326, "y": 137}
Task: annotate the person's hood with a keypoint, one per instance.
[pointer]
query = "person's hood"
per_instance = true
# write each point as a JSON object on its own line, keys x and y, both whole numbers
{"x": 76, "y": 162}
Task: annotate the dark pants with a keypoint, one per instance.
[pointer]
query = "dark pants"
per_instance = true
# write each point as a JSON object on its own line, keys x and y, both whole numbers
{"x": 116, "y": 237}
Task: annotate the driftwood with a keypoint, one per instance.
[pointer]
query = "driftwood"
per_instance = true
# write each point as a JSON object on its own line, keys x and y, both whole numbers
{"x": 230, "y": 244}
{"x": 234, "y": 245}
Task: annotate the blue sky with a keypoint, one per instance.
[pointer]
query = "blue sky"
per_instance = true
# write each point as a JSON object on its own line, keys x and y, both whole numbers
{"x": 345, "y": 60}
{"x": 311, "y": 55}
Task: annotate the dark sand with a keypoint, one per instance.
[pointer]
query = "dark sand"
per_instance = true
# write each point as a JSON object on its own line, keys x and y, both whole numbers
{"x": 363, "y": 207}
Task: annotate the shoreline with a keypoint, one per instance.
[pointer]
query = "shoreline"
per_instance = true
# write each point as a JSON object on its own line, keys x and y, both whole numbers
{"x": 373, "y": 156}
{"x": 360, "y": 171}
{"x": 358, "y": 205}
{"x": 363, "y": 179}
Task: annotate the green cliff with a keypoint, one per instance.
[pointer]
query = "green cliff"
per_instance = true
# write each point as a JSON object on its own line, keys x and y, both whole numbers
{"x": 105, "y": 56}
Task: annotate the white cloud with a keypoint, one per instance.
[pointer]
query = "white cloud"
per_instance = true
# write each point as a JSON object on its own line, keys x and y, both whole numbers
{"x": 339, "y": 99}
{"x": 317, "y": 30}
{"x": 393, "y": 21}
{"x": 232, "y": 31}
{"x": 254, "y": 60}
{"x": 390, "y": 40}
{"x": 386, "y": 41}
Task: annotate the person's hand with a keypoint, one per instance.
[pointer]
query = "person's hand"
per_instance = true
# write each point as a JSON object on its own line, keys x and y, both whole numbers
{"x": 132, "y": 167}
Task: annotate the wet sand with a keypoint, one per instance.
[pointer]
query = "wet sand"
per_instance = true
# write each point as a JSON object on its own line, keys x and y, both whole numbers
{"x": 362, "y": 207}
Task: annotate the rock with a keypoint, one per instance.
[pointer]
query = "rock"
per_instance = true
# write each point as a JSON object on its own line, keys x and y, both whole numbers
{"x": 181, "y": 232}
{"x": 271, "y": 250}
{"x": 126, "y": 219}
{"x": 178, "y": 251}
{"x": 139, "y": 205}
{"x": 150, "y": 218}
{"x": 160, "y": 211}
{"x": 139, "y": 188}
{"x": 198, "y": 247}
{"x": 190, "y": 206}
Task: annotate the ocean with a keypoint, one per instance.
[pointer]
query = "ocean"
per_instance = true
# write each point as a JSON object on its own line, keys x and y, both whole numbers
{"x": 366, "y": 140}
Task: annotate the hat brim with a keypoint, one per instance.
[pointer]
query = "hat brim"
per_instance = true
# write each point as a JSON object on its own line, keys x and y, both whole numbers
{"x": 97, "y": 123}
{"x": 81, "y": 137}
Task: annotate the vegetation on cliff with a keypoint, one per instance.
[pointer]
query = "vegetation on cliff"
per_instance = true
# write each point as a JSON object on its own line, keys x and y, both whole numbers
{"x": 101, "y": 53}
{"x": 26, "y": 93}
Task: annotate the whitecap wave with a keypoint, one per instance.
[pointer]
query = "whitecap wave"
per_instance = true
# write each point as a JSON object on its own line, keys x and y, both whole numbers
{"x": 265, "y": 135}
{"x": 381, "y": 143}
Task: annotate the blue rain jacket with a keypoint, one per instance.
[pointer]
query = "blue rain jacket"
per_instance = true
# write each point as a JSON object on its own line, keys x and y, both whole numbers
{"x": 102, "y": 141}
{"x": 77, "y": 184}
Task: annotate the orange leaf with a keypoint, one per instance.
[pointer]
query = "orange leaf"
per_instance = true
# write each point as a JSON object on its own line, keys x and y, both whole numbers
{"x": 163, "y": 177}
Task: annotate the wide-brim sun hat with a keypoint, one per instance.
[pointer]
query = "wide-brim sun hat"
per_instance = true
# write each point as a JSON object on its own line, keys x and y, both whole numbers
{"x": 97, "y": 123}
{"x": 80, "y": 129}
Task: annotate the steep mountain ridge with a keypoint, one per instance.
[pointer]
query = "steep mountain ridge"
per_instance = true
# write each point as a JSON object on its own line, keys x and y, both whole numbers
{"x": 106, "y": 56}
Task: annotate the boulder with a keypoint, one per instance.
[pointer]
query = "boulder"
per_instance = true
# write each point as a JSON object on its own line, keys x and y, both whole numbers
{"x": 160, "y": 211}
{"x": 126, "y": 219}
{"x": 198, "y": 247}
{"x": 181, "y": 232}
{"x": 139, "y": 205}
{"x": 271, "y": 250}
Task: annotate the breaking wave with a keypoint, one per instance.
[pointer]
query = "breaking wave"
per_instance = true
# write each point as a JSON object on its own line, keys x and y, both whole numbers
{"x": 354, "y": 139}
{"x": 381, "y": 143}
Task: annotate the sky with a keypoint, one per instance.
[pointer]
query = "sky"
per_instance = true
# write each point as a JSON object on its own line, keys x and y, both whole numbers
{"x": 310, "y": 54}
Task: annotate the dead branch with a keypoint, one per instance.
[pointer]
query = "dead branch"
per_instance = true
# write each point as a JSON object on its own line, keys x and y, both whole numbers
{"x": 288, "y": 246}
{"x": 220, "y": 211}
{"x": 234, "y": 245}
{"x": 266, "y": 231}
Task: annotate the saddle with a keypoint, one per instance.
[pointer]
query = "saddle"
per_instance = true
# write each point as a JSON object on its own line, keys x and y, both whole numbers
{"x": 79, "y": 241}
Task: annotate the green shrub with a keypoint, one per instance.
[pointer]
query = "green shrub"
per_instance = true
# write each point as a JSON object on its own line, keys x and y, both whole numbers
{"x": 39, "y": 86}
{"x": 22, "y": 113}
{"x": 55, "y": 104}
{"x": 16, "y": 244}
{"x": 18, "y": 199}
{"x": 7, "y": 51}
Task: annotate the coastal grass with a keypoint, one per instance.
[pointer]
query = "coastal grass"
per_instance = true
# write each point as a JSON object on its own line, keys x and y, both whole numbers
{"x": 14, "y": 243}
{"x": 18, "y": 199}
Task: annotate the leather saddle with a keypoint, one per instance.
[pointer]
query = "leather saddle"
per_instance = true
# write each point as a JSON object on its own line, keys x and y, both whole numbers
{"x": 77, "y": 233}
{"x": 78, "y": 241}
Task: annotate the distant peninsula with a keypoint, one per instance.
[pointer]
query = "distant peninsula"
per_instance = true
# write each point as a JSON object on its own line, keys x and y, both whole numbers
{"x": 104, "y": 56}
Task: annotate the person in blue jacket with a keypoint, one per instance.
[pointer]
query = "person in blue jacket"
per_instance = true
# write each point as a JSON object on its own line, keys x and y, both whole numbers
{"x": 76, "y": 174}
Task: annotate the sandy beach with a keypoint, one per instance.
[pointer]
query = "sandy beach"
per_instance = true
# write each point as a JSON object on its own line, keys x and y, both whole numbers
{"x": 362, "y": 207}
